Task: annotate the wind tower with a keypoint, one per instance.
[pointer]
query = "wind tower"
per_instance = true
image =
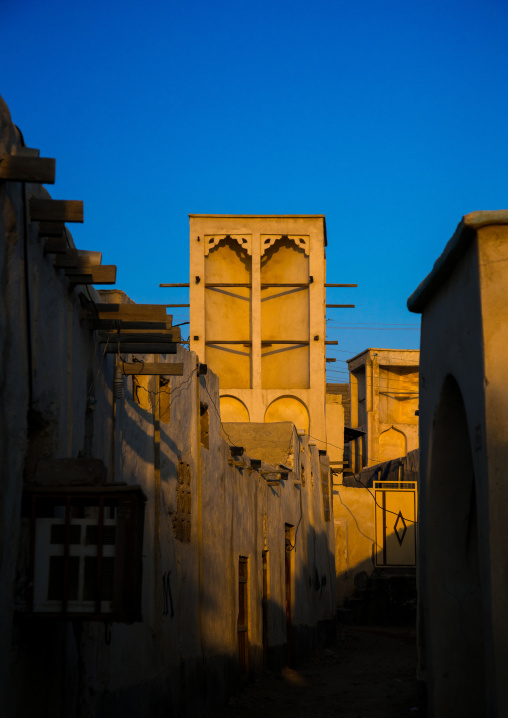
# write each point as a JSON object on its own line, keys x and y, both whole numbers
{"x": 257, "y": 315}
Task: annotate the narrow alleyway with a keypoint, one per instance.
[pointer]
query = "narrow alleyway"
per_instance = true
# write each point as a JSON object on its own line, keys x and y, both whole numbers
{"x": 368, "y": 673}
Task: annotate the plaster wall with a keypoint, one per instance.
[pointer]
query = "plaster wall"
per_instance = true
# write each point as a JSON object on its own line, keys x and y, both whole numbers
{"x": 355, "y": 540}
{"x": 183, "y": 656}
{"x": 335, "y": 429}
{"x": 463, "y": 590}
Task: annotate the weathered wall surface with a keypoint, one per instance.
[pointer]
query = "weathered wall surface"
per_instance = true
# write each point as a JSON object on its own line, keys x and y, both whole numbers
{"x": 358, "y": 538}
{"x": 463, "y": 492}
{"x": 355, "y": 538}
{"x": 384, "y": 401}
{"x": 209, "y": 512}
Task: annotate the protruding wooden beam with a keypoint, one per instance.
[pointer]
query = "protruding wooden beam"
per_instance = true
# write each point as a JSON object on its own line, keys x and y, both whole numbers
{"x": 334, "y": 342}
{"x": 151, "y": 368}
{"x": 340, "y": 306}
{"x": 55, "y": 245}
{"x": 56, "y": 210}
{"x": 112, "y": 348}
{"x": 175, "y": 285}
{"x": 15, "y": 168}
{"x": 341, "y": 285}
{"x": 155, "y": 337}
{"x": 132, "y": 312}
{"x": 330, "y": 361}
{"x": 26, "y": 152}
{"x": 112, "y": 325}
{"x": 102, "y": 274}
{"x": 85, "y": 259}
{"x": 51, "y": 229}
{"x": 69, "y": 259}
{"x": 264, "y": 343}
{"x": 79, "y": 261}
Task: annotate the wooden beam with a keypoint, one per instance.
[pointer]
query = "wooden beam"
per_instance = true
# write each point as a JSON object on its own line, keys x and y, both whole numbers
{"x": 69, "y": 259}
{"x": 56, "y": 210}
{"x": 143, "y": 328}
{"x": 168, "y": 348}
{"x": 329, "y": 361}
{"x": 84, "y": 261}
{"x": 55, "y": 245}
{"x": 51, "y": 229}
{"x": 155, "y": 337}
{"x": 264, "y": 342}
{"x": 112, "y": 324}
{"x": 16, "y": 168}
{"x": 26, "y": 152}
{"x": 102, "y": 274}
{"x": 341, "y": 285}
{"x": 132, "y": 312}
{"x": 340, "y": 306}
{"x": 334, "y": 342}
{"x": 175, "y": 285}
{"x": 275, "y": 284}
{"x": 151, "y": 368}
{"x": 177, "y": 305}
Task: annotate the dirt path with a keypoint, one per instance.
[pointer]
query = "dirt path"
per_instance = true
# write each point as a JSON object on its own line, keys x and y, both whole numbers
{"x": 367, "y": 673}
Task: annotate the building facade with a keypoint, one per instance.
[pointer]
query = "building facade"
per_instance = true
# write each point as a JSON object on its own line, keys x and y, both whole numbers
{"x": 146, "y": 564}
{"x": 384, "y": 405}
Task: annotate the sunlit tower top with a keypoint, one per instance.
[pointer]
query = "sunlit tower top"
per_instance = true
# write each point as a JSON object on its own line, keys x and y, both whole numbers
{"x": 257, "y": 314}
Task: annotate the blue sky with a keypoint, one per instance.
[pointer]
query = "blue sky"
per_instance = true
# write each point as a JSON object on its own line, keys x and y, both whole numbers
{"x": 388, "y": 117}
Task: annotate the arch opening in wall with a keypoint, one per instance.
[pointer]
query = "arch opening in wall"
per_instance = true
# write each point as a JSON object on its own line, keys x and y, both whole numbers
{"x": 232, "y": 409}
{"x": 392, "y": 444}
{"x": 452, "y": 602}
{"x": 228, "y": 309}
{"x": 288, "y": 408}
{"x": 285, "y": 312}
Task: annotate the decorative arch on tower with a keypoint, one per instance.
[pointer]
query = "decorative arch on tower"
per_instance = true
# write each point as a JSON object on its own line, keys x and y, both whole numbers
{"x": 213, "y": 240}
{"x": 289, "y": 408}
{"x": 232, "y": 409}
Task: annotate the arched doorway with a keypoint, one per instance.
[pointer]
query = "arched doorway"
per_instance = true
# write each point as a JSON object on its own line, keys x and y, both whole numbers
{"x": 453, "y": 597}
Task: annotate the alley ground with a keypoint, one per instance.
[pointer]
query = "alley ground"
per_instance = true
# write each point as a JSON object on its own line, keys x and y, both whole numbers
{"x": 368, "y": 672}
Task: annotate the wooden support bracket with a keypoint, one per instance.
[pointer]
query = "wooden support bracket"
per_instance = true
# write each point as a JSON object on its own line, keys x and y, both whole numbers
{"x": 56, "y": 210}
{"x": 16, "y": 168}
{"x": 340, "y": 306}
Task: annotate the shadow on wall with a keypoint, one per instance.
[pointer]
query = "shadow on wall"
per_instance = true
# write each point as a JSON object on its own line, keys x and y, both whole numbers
{"x": 372, "y": 537}
{"x": 199, "y": 683}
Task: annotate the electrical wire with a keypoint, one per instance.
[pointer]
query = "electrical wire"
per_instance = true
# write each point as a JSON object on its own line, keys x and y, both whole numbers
{"x": 328, "y": 443}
